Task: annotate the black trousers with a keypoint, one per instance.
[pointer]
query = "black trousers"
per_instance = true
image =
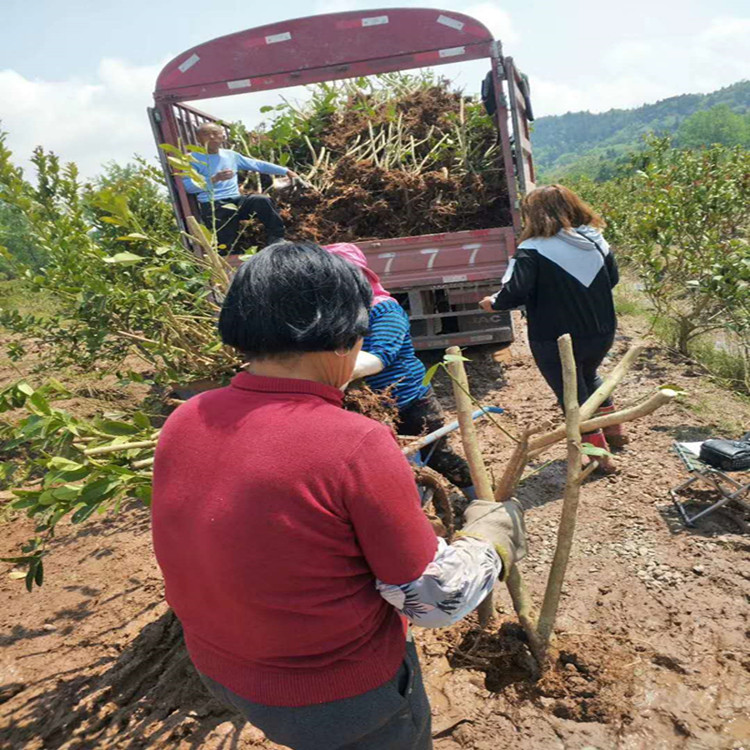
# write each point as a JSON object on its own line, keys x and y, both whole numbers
{"x": 588, "y": 354}
{"x": 226, "y": 221}
{"x": 426, "y": 415}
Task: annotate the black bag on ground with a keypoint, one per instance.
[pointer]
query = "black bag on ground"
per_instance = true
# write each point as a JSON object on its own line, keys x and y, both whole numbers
{"x": 730, "y": 455}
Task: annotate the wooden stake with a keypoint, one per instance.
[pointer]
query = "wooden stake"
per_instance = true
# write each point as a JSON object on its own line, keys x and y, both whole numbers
{"x": 464, "y": 410}
{"x": 513, "y": 469}
{"x": 656, "y": 400}
{"x": 605, "y": 390}
{"x": 143, "y": 463}
{"x": 572, "y": 492}
{"x": 593, "y": 402}
{"x": 101, "y": 450}
{"x": 518, "y": 594}
{"x": 479, "y": 474}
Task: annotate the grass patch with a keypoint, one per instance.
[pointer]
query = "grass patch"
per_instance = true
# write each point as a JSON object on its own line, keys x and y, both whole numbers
{"x": 629, "y": 300}
{"x": 712, "y": 409}
{"x": 724, "y": 363}
{"x": 720, "y": 357}
{"x": 17, "y": 294}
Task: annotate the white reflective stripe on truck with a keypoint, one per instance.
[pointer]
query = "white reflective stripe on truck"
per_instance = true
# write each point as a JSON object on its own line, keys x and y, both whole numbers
{"x": 187, "y": 64}
{"x": 374, "y": 21}
{"x": 452, "y": 23}
{"x": 276, "y": 38}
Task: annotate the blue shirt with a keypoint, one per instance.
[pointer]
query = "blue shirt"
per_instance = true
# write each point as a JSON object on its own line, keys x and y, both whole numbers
{"x": 209, "y": 164}
{"x": 389, "y": 339}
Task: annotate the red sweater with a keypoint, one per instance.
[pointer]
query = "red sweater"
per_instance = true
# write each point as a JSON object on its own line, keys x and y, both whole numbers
{"x": 274, "y": 511}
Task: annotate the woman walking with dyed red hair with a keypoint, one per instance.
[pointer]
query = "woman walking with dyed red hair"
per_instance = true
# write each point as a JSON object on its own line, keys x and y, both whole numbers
{"x": 564, "y": 272}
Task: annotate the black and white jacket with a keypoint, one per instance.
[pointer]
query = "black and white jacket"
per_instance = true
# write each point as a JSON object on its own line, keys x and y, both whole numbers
{"x": 565, "y": 282}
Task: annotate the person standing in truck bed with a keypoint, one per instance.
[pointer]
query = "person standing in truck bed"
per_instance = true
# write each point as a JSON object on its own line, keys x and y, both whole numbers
{"x": 222, "y": 206}
{"x": 564, "y": 272}
{"x": 388, "y": 360}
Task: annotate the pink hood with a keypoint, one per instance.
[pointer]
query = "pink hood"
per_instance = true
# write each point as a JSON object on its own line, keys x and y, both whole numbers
{"x": 354, "y": 255}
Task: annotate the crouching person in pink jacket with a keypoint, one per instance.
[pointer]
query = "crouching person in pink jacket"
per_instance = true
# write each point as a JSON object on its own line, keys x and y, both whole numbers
{"x": 289, "y": 531}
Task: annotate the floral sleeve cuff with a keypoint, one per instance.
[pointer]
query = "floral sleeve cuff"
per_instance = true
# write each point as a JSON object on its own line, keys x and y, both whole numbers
{"x": 456, "y": 581}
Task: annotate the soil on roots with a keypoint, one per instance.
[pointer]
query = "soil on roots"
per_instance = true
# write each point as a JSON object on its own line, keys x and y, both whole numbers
{"x": 377, "y": 405}
{"x": 583, "y": 681}
{"x": 439, "y": 500}
{"x": 432, "y": 187}
{"x": 365, "y": 201}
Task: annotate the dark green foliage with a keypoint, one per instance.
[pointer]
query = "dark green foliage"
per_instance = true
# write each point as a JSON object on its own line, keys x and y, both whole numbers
{"x": 718, "y": 125}
{"x": 585, "y": 144}
{"x": 74, "y": 467}
{"x": 147, "y": 199}
{"x": 17, "y": 247}
{"x": 681, "y": 221}
{"x": 114, "y": 261}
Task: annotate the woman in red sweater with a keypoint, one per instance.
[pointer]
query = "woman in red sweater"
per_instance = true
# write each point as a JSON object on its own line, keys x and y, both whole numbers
{"x": 289, "y": 531}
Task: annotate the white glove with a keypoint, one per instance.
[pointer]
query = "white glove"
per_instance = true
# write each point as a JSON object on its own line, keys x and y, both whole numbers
{"x": 500, "y": 524}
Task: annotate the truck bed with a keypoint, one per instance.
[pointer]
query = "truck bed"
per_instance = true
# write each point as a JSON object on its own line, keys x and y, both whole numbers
{"x": 440, "y": 278}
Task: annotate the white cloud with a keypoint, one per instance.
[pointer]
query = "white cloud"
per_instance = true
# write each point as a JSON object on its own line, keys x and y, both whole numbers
{"x": 553, "y": 98}
{"x": 102, "y": 118}
{"x": 89, "y": 122}
{"x": 634, "y": 72}
{"x": 497, "y": 20}
{"x": 93, "y": 122}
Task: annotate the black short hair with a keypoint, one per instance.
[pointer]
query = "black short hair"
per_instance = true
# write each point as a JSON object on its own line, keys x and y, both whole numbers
{"x": 295, "y": 297}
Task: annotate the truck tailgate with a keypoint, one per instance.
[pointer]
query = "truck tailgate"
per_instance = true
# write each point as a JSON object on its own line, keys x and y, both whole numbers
{"x": 436, "y": 260}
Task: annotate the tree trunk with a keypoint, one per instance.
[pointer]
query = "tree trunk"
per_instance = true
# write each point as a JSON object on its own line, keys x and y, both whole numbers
{"x": 684, "y": 331}
{"x": 567, "y": 527}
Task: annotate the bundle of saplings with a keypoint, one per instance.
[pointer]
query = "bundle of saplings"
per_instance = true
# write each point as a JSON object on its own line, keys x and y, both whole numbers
{"x": 395, "y": 157}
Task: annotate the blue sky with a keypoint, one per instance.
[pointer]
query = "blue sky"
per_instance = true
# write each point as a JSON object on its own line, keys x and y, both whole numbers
{"x": 76, "y": 75}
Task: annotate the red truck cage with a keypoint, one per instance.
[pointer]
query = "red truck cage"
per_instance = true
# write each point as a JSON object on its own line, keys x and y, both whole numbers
{"x": 438, "y": 278}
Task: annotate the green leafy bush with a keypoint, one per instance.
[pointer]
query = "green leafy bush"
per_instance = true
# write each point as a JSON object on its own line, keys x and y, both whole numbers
{"x": 117, "y": 264}
{"x": 681, "y": 221}
{"x": 72, "y": 468}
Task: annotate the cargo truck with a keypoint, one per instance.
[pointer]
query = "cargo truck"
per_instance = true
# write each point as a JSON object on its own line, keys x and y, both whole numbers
{"x": 438, "y": 278}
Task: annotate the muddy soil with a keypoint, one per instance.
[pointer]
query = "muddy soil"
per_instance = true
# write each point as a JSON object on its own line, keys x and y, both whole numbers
{"x": 652, "y": 650}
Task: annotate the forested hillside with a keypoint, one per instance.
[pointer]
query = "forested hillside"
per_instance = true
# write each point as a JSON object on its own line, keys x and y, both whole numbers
{"x": 591, "y": 144}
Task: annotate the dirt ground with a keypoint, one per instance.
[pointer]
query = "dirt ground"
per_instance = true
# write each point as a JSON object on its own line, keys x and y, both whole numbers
{"x": 652, "y": 648}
